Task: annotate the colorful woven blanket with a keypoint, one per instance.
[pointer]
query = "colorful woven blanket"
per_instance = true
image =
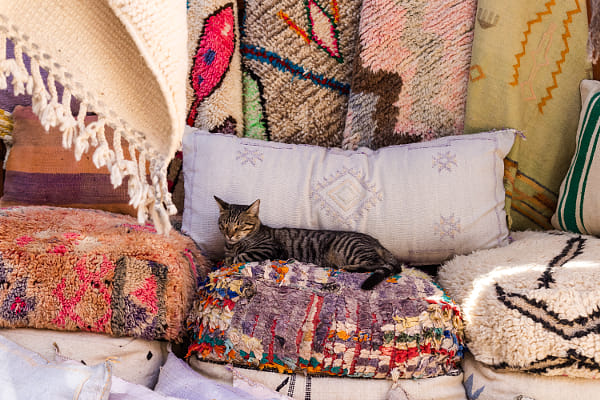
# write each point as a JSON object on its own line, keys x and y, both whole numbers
{"x": 68, "y": 269}
{"x": 293, "y": 316}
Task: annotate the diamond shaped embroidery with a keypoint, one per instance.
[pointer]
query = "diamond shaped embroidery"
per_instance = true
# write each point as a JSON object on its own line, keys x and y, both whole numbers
{"x": 346, "y": 196}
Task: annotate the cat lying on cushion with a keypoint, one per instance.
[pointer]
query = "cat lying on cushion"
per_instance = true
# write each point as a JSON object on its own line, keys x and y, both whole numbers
{"x": 247, "y": 239}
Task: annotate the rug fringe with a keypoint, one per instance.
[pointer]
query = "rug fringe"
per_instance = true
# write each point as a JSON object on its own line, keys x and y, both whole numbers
{"x": 150, "y": 197}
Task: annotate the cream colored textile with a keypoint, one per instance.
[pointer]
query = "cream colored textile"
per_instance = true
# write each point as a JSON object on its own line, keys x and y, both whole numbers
{"x": 531, "y": 306}
{"x": 297, "y": 386}
{"x": 135, "y": 360}
{"x": 124, "y": 60}
{"x": 485, "y": 383}
{"x": 425, "y": 202}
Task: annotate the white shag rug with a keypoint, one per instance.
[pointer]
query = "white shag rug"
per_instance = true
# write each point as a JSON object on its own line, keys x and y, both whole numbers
{"x": 533, "y": 305}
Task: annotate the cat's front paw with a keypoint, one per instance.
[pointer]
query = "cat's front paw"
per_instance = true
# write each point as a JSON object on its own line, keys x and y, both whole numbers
{"x": 228, "y": 261}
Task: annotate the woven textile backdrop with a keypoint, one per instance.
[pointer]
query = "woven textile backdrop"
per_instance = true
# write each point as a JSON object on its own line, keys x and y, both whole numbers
{"x": 410, "y": 72}
{"x": 214, "y": 90}
{"x": 297, "y": 60}
{"x": 527, "y": 62}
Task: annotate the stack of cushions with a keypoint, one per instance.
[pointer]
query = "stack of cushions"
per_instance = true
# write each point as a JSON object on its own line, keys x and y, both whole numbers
{"x": 69, "y": 269}
{"x": 292, "y": 316}
{"x": 531, "y": 306}
{"x": 446, "y": 197}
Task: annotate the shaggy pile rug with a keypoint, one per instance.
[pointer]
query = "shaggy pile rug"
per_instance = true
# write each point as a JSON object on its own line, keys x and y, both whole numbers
{"x": 411, "y": 71}
{"x": 297, "y": 59}
{"x": 72, "y": 269}
{"x": 532, "y": 306}
{"x": 297, "y": 317}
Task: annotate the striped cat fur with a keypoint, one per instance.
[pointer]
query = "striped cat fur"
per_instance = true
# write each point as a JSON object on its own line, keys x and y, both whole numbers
{"x": 247, "y": 239}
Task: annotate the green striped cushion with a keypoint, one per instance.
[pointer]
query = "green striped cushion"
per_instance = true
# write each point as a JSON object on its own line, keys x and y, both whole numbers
{"x": 578, "y": 207}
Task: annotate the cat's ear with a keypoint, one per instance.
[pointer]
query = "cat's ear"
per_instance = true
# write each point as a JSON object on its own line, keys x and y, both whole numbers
{"x": 222, "y": 205}
{"x": 253, "y": 208}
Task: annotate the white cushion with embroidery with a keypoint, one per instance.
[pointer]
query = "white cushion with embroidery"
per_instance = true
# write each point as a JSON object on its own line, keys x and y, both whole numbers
{"x": 425, "y": 202}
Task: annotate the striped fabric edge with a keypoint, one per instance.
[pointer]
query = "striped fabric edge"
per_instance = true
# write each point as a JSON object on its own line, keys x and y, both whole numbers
{"x": 570, "y": 205}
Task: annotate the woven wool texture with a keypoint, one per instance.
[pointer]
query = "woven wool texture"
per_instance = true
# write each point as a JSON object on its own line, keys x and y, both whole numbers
{"x": 293, "y": 317}
{"x": 123, "y": 60}
{"x": 531, "y": 306}
{"x": 214, "y": 90}
{"x": 410, "y": 72}
{"x": 527, "y": 62}
{"x": 34, "y": 178}
{"x": 297, "y": 58}
{"x": 69, "y": 269}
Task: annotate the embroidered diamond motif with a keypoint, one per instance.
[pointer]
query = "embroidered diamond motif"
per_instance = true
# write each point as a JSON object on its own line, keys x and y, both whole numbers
{"x": 448, "y": 227}
{"x": 250, "y": 156}
{"x": 346, "y": 196}
{"x": 444, "y": 161}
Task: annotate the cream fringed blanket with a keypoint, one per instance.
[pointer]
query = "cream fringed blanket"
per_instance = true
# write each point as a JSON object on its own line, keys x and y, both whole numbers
{"x": 124, "y": 60}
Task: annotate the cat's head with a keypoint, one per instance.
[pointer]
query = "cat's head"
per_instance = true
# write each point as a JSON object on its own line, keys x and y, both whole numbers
{"x": 237, "y": 222}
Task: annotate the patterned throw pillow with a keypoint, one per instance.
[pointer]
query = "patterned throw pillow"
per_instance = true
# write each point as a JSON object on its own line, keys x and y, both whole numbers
{"x": 579, "y": 197}
{"x": 297, "y": 317}
{"x": 411, "y": 70}
{"x": 425, "y": 202}
{"x": 90, "y": 270}
{"x": 297, "y": 61}
{"x": 531, "y": 306}
{"x": 40, "y": 171}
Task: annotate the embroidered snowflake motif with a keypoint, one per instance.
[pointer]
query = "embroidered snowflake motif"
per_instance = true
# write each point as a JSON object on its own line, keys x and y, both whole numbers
{"x": 448, "y": 227}
{"x": 444, "y": 161}
{"x": 250, "y": 156}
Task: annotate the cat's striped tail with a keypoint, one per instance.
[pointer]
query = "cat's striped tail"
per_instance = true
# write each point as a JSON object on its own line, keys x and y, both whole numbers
{"x": 380, "y": 274}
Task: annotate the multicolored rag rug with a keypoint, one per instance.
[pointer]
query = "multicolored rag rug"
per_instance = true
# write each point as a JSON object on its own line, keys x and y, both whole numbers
{"x": 410, "y": 72}
{"x": 297, "y": 317}
{"x": 297, "y": 59}
{"x": 527, "y": 62}
{"x": 75, "y": 269}
{"x": 214, "y": 90}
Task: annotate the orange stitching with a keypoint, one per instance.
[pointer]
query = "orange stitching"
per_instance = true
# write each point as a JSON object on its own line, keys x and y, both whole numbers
{"x": 524, "y": 42}
{"x": 336, "y": 11}
{"x": 293, "y": 26}
{"x": 563, "y": 54}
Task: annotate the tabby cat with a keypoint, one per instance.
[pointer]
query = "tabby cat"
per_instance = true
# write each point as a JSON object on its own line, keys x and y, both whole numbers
{"x": 246, "y": 239}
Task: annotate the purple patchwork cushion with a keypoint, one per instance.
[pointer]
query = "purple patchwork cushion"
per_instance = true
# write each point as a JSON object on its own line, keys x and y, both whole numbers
{"x": 293, "y": 316}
